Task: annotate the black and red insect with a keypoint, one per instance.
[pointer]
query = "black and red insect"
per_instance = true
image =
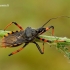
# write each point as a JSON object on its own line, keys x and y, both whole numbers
{"x": 14, "y": 39}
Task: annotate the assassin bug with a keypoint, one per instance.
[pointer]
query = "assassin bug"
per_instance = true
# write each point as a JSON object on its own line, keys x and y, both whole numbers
{"x": 14, "y": 39}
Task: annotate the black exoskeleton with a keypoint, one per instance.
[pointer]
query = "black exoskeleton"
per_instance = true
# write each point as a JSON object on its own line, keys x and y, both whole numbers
{"x": 14, "y": 39}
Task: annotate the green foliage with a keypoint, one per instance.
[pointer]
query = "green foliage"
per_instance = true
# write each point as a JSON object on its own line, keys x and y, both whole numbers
{"x": 61, "y": 46}
{"x": 2, "y": 33}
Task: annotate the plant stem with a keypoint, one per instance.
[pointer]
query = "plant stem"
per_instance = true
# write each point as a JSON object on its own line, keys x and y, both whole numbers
{"x": 62, "y": 46}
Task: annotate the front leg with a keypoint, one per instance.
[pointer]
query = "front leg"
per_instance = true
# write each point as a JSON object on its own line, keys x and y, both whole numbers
{"x": 47, "y": 28}
{"x": 43, "y": 30}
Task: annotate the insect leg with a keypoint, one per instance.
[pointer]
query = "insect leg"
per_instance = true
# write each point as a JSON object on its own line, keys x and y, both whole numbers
{"x": 15, "y": 24}
{"x": 42, "y": 30}
{"x": 44, "y": 40}
{"x": 41, "y": 51}
{"x": 50, "y": 28}
{"x": 18, "y": 50}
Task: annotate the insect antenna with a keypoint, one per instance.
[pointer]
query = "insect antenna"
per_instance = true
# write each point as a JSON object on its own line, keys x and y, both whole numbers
{"x": 54, "y": 18}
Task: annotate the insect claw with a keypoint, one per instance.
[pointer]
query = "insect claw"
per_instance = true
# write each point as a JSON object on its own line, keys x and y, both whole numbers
{"x": 16, "y": 31}
{"x": 10, "y": 54}
{"x": 42, "y": 52}
{"x": 8, "y": 33}
{"x": 64, "y": 41}
{"x": 14, "y": 22}
{"x": 50, "y": 41}
{"x": 4, "y": 36}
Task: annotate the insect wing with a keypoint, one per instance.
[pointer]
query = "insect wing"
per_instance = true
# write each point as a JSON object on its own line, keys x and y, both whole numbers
{"x": 12, "y": 39}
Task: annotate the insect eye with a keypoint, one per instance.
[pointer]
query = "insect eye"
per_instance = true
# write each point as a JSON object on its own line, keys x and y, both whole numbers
{"x": 40, "y": 30}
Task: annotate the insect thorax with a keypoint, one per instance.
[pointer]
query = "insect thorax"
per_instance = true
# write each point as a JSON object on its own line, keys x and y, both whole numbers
{"x": 30, "y": 33}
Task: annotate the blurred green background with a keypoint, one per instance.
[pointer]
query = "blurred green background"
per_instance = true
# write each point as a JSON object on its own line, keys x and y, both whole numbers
{"x": 35, "y": 13}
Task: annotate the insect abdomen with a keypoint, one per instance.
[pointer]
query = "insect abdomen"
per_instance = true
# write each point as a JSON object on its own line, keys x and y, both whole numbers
{"x": 12, "y": 39}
